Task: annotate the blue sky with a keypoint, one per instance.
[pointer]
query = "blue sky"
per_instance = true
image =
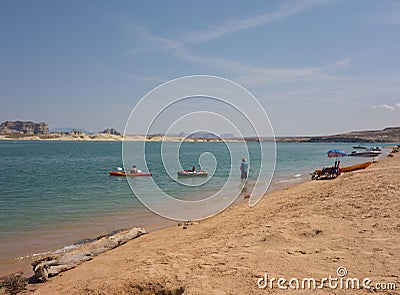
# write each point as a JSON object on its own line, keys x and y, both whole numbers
{"x": 317, "y": 67}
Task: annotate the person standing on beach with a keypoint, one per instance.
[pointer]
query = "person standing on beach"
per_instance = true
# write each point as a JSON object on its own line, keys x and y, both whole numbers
{"x": 244, "y": 167}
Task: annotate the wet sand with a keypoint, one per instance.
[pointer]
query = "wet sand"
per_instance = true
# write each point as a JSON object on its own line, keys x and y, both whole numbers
{"x": 18, "y": 251}
{"x": 305, "y": 231}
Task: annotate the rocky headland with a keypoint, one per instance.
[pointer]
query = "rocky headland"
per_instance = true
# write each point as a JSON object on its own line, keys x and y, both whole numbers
{"x": 23, "y": 127}
{"x": 389, "y": 134}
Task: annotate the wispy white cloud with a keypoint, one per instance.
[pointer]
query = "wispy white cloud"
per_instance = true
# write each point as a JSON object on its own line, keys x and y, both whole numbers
{"x": 398, "y": 105}
{"x": 236, "y": 67}
{"x": 343, "y": 63}
{"x": 244, "y": 73}
{"x": 139, "y": 31}
{"x": 384, "y": 106}
{"x": 229, "y": 27}
{"x": 136, "y": 51}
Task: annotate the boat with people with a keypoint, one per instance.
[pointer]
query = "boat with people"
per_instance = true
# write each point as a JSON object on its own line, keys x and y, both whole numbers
{"x": 192, "y": 173}
{"x": 123, "y": 173}
{"x": 134, "y": 172}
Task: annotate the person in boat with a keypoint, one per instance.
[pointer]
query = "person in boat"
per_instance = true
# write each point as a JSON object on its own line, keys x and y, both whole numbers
{"x": 244, "y": 167}
{"x": 134, "y": 170}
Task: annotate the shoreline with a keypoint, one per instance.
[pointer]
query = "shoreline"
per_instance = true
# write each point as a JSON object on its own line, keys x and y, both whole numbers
{"x": 157, "y": 138}
{"x": 68, "y": 235}
{"x": 108, "y": 137}
{"x": 281, "y": 235}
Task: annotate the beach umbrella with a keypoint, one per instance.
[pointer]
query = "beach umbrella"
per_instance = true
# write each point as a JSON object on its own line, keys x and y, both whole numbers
{"x": 336, "y": 153}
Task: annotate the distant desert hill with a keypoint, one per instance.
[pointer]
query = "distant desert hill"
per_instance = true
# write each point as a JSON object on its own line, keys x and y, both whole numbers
{"x": 390, "y": 134}
{"x": 69, "y": 129}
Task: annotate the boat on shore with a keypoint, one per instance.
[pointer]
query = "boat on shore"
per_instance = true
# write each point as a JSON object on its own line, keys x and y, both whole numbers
{"x": 123, "y": 173}
{"x": 330, "y": 172}
{"x": 191, "y": 173}
{"x": 355, "y": 167}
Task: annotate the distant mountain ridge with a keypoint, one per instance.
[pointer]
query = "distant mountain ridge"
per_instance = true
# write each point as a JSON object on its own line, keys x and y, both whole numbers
{"x": 389, "y": 134}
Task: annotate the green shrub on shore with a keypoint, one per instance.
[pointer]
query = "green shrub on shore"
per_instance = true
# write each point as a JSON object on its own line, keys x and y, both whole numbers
{"x": 13, "y": 283}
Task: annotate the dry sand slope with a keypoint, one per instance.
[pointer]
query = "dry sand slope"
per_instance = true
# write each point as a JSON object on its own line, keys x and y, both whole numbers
{"x": 305, "y": 231}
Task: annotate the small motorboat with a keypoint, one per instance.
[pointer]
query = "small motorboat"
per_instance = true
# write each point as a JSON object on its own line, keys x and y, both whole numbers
{"x": 123, "y": 173}
{"x": 360, "y": 147}
{"x": 365, "y": 153}
{"x": 191, "y": 173}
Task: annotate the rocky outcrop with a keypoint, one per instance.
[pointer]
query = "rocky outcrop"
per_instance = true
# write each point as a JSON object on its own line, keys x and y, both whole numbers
{"x": 111, "y": 131}
{"x": 23, "y": 127}
{"x": 52, "y": 265}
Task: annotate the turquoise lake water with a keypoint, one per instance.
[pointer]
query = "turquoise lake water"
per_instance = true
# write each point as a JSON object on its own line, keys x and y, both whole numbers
{"x": 46, "y": 186}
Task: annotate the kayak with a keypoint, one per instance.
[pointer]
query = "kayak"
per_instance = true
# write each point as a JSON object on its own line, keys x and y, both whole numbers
{"x": 348, "y": 168}
{"x": 122, "y": 173}
{"x": 355, "y": 167}
{"x": 189, "y": 173}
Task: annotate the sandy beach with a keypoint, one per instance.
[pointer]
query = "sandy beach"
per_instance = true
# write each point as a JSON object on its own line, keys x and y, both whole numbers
{"x": 310, "y": 230}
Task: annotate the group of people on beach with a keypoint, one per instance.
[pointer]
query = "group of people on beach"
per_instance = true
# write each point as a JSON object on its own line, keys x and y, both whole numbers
{"x": 333, "y": 170}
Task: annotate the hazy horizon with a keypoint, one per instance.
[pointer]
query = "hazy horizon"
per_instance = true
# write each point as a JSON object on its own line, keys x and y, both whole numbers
{"x": 69, "y": 128}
